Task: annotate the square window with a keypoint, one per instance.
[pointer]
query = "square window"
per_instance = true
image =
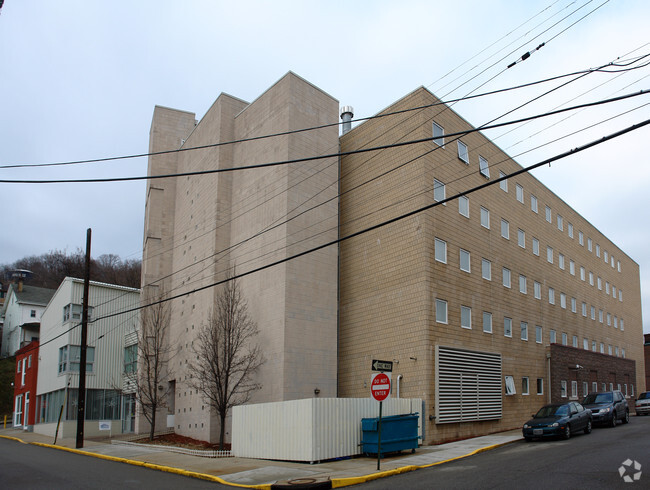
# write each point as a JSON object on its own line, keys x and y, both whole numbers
{"x": 503, "y": 183}
{"x": 536, "y": 246}
{"x": 520, "y": 193}
{"x": 462, "y": 152}
{"x": 540, "y": 386}
{"x": 483, "y": 166}
{"x": 524, "y": 385}
{"x": 505, "y": 229}
{"x": 507, "y": 327}
{"x": 465, "y": 317}
{"x": 438, "y": 190}
{"x": 533, "y": 204}
{"x": 464, "y": 260}
{"x": 486, "y": 269}
{"x": 485, "y": 217}
{"x": 537, "y": 290}
{"x": 524, "y": 331}
{"x": 463, "y": 206}
{"x": 549, "y": 218}
{"x": 522, "y": 284}
{"x": 438, "y": 135}
{"x": 538, "y": 334}
{"x": 521, "y": 238}
{"x": 441, "y": 250}
{"x": 510, "y": 385}
{"x": 506, "y": 277}
{"x": 441, "y": 311}
{"x": 487, "y": 322}
{"x": 549, "y": 255}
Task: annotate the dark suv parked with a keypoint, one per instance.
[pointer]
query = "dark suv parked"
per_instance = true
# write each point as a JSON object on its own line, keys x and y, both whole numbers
{"x": 607, "y": 407}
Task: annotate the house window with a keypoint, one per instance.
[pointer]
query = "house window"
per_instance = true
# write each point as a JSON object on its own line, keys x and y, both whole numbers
{"x": 438, "y": 190}
{"x": 538, "y": 334}
{"x": 533, "y": 203}
{"x": 548, "y": 215}
{"x": 485, "y": 217}
{"x": 510, "y": 385}
{"x": 536, "y": 246}
{"x": 441, "y": 250}
{"x": 522, "y": 284}
{"x": 506, "y": 277}
{"x": 131, "y": 359}
{"x": 486, "y": 269}
{"x": 32, "y": 313}
{"x": 463, "y": 206}
{"x": 438, "y": 135}
{"x": 29, "y": 362}
{"x": 524, "y": 386}
{"x": 610, "y": 350}
{"x": 594, "y": 346}
{"x": 521, "y": 238}
{"x": 22, "y": 378}
{"x": 464, "y": 260}
{"x": 441, "y": 311}
{"x": 537, "y": 287}
{"x": 524, "y": 331}
{"x": 540, "y": 386}
{"x": 505, "y": 229}
{"x": 487, "y": 322}
{"x": 507, "y": 327}
{"x": 462, "y": 152}
{"x": 552, "y": 336}
{"x": 504, "y": 183}
{"x": 465, "y": 317}
{"x": 563, "y": 389}
{"x": 483, "y": 167}
{"x": 18, "y": 411}
{"x": 520, "y": 193}
{"x": 602, "y": 348}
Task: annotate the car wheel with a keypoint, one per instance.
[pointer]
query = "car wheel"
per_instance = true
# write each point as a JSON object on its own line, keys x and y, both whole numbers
{"x": 567, "y": 432}
{"x": 612, "y": 423}
{"x": 626, "y": 418}
{"x": 588, "y": 428}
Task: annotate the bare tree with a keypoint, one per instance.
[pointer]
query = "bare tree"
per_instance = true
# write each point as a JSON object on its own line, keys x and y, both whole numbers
{"x": 227, "y": 356}
{"x": 151, "y": 383}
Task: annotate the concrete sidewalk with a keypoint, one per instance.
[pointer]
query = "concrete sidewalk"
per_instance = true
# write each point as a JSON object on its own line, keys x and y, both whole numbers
{"x": 258, "y": 473}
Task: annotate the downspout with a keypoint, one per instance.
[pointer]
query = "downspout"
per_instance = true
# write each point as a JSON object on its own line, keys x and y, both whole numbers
{"x": 399, "y": 377}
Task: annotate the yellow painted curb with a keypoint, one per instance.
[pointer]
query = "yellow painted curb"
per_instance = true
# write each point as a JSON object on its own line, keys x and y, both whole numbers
{"x": 346, "y": 482}
{"x": 13, "y": 439}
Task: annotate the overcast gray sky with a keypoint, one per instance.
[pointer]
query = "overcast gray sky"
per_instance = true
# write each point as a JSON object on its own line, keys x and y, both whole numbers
{"x": 79, "y": 80}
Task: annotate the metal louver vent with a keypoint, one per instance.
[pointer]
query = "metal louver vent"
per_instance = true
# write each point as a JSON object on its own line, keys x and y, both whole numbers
{"x": 468, "y": 385}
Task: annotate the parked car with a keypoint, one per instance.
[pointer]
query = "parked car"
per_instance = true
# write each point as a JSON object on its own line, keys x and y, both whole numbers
{"x": 642, "y": 404}
{"x": 558, "y": 419}
{"x": 607, "y": 407}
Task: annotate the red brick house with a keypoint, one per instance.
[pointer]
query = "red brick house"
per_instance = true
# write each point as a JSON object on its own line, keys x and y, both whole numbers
{"x": 25, "y": 385}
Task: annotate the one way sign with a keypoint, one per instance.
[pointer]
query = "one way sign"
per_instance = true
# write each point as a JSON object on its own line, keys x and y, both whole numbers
{"x": 383, "y": 366}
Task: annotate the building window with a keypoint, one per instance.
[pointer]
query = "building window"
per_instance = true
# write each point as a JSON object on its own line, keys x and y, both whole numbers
{"x": 574, "y": 305}
{"x": 536, "y": 246}
{"x": 600, "y": 316}
{"x": 441, "y": 250}
{"x": 591, "y": 280}
{"x": 438, "y": 190}
{"x": 524, "y": 386}
{"x": 510, "y": 385}
{"x": 563, "y": 389}
{"x": 533, "y": 204}
{"x": 463, "y": 206}
{"x": 581, "y": 238}
{"x": 548, "y": 215}
{"x": 487, "y": 322}
{"x": 589, "y": 244}
{"x": 565, "y": 338}
{"x": 622, "y": 326}
{"x": 465, "y": 317}
{"x": 32, "y": 313}
{"x": 441, "y": 311}
{"x": 131, "y": 359}
{"x": 574, "y": 389}
{"x": 560, "y": 261}
{"x": 585, "y": 344}
{"x": 615, "y": 321}
{"x": 605, "y": 256}
{"x": 520, "y": 193}
{"x": 74, "y": 312}
{"x": 584, "y": 309}
{"x": 540, "y": 386}
{"x": 538, "y": 334}
{"x": 483, "y": 166}
{"x": 486, "y": 269}
{"x": 602, "y": 348}
{"x": 438, "y": 135}
{"x": 570, "y": 229}
{"x": 609, "y": 349}
{"x": 521, "y": 238}
{"x": 506, "y": 277}
{"x": 575, "y": 341}
{"x": 597, "y": 250}
{"x": 618, "y": 265}
{"x": 551, "y": 296}
{"x": 505, "y": 229}
{"x": 537, "y": 287}
{"x": 620, "y": 295}
{"x": 572, "y": 267}
{"x": 503, "y": 183}
{"x": 585, "y": 388}
{"x": 462, "y": 152}
{"x": 507, "y": 327}
{"x": 607, "y": 287}
{"x": 593, "y": 312}
{"x": 70, "y": 355}
{"x": 464, "y": 260}
{"x": 582, "y": 273}
{"x": 560, "y": 223}
{"x": 594, "y": 346}
{"x": 524, "y": 331}
{"x": 552, "y": 336}
{"x": 609, "y": 319}
{"x": 485, "y": 218}
{"x": 522, "y": 284}
{"x": 549, "y": 255}
{"x": 29, "y": 361}
{"x": 563, "y": 300}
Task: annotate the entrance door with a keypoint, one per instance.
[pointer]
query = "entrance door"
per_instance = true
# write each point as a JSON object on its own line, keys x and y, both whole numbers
{"x": 128, "y": 413}
{"x": 18, "y": 411}
{"x": 26, "y": 412}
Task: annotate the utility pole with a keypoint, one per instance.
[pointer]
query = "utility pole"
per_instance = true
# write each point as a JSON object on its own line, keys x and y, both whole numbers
{"x": 81, "y": 400}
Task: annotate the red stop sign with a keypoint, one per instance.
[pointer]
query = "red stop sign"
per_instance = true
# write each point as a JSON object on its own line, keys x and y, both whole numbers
{"x": 380, "y": 386}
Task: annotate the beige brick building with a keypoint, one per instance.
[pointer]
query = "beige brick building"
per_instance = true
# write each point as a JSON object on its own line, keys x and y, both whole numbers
{"x": 466, "y": 297}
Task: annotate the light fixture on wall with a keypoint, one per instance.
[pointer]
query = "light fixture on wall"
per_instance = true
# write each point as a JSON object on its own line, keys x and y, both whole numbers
{"x": 316, "y": 391}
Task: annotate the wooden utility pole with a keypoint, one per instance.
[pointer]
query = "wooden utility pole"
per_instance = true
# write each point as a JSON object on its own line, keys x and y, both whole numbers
{"x": 81, "y": 398}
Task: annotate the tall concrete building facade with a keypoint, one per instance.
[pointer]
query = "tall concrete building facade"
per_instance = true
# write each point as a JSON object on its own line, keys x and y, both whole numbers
{"x": 201, "y": 226}
{"x": 489, "y": 305}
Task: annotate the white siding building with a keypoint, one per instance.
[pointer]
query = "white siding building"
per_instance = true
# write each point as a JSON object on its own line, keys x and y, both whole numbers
{"x": 58, "y": 370}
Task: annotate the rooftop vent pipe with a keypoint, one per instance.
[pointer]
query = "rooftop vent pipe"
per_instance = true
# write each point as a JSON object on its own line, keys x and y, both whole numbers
{"x": 347, "y": 113}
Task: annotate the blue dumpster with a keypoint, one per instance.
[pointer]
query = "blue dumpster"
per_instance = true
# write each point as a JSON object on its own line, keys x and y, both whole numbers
{"x": 398, "y": 432}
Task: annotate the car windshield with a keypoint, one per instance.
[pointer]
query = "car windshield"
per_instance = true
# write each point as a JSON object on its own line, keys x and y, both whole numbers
{"x": 552, "y": 411}
{"x": 645, "y": 396}
{"x": 592, "y": 398}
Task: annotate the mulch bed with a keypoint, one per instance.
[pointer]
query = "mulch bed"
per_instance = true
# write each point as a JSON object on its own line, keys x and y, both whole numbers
{"x": 181, "y": 441}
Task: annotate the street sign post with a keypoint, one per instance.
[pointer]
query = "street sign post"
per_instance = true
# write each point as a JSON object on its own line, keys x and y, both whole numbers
{"x": 380, "y": 391}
